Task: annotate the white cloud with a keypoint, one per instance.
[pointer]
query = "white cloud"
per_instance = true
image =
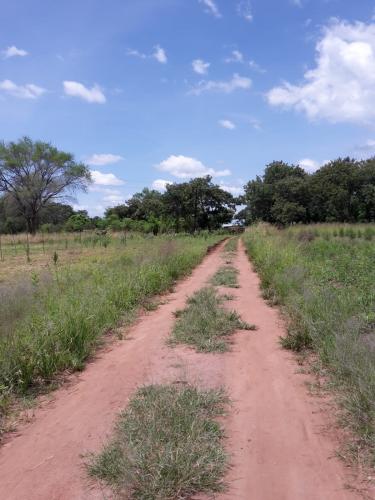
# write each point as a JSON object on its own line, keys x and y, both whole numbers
{"x": 227, "y": 87}
{"x": 160, "y": 55}
{"x": 211, "y": 7}
{"x": 244, "y": 10}
{"x": 309, "y": 165}
{"x": 367, "y": 148}
{"x": 103, "y": 159}
{"x": 76, "y": 89}
{"x": 297, "y": 3}
{"x": 113, "y": 197}
{"x": 14, "y": 52}
{"x": 160, "y": 184}
{"x": 341, "y": 88}
{"x": 235, "y": 190}
{"x": 28, "y": 91}
{"x": 227, "y": 124}
{"x": 236, "y": 57}
{"x": 185, "y": 167}
{"x": 200, "y": 67}
{"x": 101, "y": 179}
{"x": 136, "y": 53}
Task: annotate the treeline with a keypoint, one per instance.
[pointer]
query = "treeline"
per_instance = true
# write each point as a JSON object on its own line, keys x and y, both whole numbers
{"x": 34, "y": 176}
{"x": 189, "y": 206}
{"x": 343, "y": 190}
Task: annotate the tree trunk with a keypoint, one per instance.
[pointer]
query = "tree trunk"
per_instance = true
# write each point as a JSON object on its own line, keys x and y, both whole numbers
{"x": 31, "y": 224}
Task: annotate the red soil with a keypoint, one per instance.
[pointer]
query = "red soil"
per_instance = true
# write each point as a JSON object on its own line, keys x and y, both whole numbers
{"x": 274, "y": 427}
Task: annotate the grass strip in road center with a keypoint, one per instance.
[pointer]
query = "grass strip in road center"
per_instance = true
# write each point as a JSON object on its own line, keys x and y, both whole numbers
{"x": 205, "y": 323}
{"x": 225, "y": 276}
{"x": 166, "y": 445}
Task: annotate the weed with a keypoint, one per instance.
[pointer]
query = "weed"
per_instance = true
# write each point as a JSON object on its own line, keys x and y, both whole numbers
{"x": 327, "y": 288}
{"x": 205, "y": 324}
{"x": 225, "y": 276}
{"x": 166, "y": 445}
{"x": 231, "y": 245}
{"x": 57, "y": 328}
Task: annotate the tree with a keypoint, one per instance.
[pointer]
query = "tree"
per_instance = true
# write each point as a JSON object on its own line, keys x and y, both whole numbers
{"x": 280, "y": 196}
{"x": 36, "y": 173}
{"x": 78, "y": 222}
{"x": 334, "y": 191}
{"x": 198, "y": 204}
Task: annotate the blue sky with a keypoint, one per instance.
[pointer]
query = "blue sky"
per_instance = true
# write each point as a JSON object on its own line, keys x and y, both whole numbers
{"x": 155, "y": 91}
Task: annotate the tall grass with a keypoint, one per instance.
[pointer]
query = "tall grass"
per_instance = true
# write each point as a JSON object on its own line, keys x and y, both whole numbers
{"x": 327, "y": 287}
{"x": 68, "y": 309}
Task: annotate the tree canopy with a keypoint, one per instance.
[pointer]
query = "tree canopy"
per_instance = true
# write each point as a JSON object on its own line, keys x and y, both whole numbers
{"x": 343, "y": 190}
{"x": 33, "y": 174}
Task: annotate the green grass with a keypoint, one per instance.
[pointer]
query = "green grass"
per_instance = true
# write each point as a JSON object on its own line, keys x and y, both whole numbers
{"x": 166, "y": 445}
{"x": 69, "y": 308}
{"x": 326, "y": 285}
{"x": 205, "y": 324}
{"x": 231, "y": 245}
{"x": 225, "y": 276}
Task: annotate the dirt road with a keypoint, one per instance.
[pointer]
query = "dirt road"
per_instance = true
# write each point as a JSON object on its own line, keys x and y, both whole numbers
{"x": 274, "y": 427}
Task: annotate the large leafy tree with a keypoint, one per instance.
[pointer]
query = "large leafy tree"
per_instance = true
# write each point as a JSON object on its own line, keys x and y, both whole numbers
{"x": 198, "y": 204}
{"x": 280, "y": 196}
{"x": 334, "y": 191}
{"x": 34, "y": 174}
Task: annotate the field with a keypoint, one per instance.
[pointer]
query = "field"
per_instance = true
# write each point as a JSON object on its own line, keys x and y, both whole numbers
{"x": 55, "y": 308}
{"x": 185, "y": 400}
{"x": 324, "y": 278}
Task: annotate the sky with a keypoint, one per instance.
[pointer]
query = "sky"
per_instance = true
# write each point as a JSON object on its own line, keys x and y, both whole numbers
{"x": 148, "y": 92}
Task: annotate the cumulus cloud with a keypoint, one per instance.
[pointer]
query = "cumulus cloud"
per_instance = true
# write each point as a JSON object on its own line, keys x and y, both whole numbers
{"x": 235, "y": 190}
{"x": 309, "y": 165}
{"x": 28, "y": 91}
{"x": 160, "y": 55}
{"x": 200, "y": 67}
{"x": 101, "y": 179}
{"x": 227, "y": 124}
{"x": 341, "y": 87}
{"x": 184, "y": 167}
{"x": 76, "y": 89}
{"x": 227, "y": 87}
{"x": 244, "y": 10}
{"x": 13, "y": 52}
{"x": 211, "y": 7}
{"x": 103, "y": 159}
{"x": 160, "y": 184}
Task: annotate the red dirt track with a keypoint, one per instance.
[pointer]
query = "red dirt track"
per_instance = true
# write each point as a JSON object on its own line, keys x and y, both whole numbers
{"x": 279, "y": 449}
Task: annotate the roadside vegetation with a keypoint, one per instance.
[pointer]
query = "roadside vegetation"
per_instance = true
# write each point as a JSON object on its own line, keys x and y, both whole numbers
{"x": 166, "y": 445}
{"x": 52, "y": 320}
{"x": 324, "y": 277}
{"x": 205, "y": 324}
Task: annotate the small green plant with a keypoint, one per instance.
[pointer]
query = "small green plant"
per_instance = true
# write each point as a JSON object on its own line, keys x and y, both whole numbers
{"x": 55, "y": 258}
{"x": 205, "y": 324}
{"x": 166, "y": 445}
